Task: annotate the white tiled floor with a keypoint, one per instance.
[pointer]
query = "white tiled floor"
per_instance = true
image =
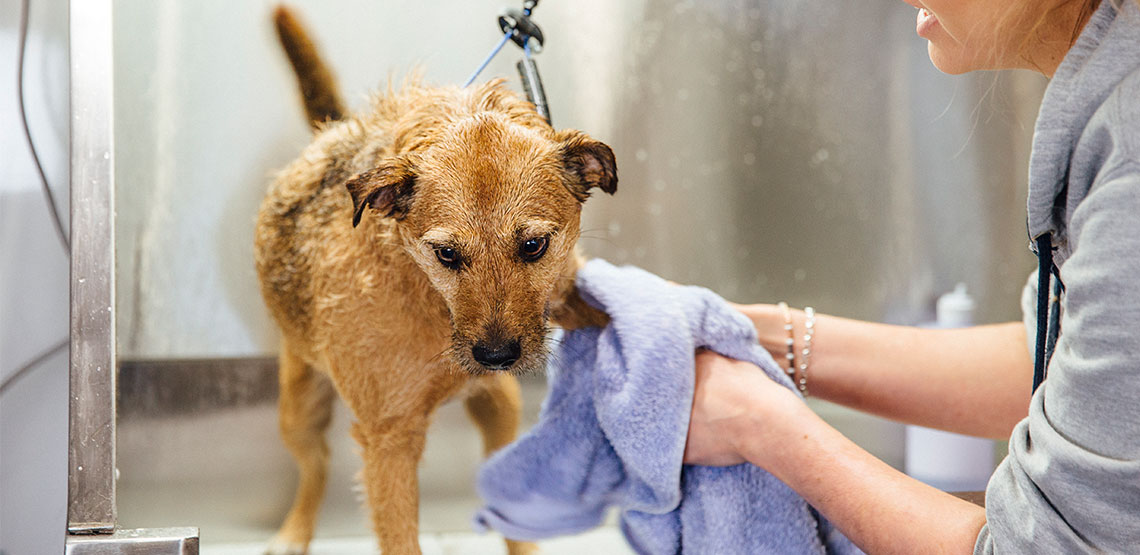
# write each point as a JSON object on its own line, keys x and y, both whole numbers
{"x": 178, "y": 478}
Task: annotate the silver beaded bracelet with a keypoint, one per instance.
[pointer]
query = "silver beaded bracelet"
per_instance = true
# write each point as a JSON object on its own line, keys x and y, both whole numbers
{"x": 809, "y": 333}
{"x": 791, "y": 341}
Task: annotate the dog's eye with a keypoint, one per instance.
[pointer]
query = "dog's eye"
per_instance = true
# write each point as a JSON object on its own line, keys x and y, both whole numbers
{"x": 449, "y": 257}
{"x": 533, "y": 249}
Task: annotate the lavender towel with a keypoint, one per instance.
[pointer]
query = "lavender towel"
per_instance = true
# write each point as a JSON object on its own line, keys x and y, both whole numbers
{"x": 611, "y": 433}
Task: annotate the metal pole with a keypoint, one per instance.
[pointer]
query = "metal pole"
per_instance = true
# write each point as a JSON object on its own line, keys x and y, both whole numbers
{"x": 91, "y": 505}
{"x": 91, "y": 441}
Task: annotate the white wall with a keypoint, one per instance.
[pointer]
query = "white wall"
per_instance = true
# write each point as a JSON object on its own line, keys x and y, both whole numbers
{"x": 33, "y": 286}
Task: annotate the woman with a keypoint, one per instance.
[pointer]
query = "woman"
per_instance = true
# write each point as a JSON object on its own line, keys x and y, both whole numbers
{"x": 1071, "y": 482}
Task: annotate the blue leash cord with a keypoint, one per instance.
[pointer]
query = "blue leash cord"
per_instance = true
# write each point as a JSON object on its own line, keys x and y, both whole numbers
{"x": 517, "y": 26}
{"x": 491, "y": 56}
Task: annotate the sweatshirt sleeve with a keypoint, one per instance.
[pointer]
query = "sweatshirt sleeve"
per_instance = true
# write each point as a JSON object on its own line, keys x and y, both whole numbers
{"x": 1071, "y": 482}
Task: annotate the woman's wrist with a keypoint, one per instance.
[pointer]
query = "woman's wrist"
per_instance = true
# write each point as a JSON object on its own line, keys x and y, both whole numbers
{"x": 768, "y": 320}
{"x": 772, "y": 323}
{"x": 760, "y": 434}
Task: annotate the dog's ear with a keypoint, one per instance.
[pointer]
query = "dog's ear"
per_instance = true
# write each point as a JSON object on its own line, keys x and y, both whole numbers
{"x": 588, "y": 163}
{"x": 386, "y": 188}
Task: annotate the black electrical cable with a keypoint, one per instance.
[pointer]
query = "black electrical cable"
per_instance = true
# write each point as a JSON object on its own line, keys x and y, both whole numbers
{"x": 32, "y": 364}
{"x": 25, "y": 8}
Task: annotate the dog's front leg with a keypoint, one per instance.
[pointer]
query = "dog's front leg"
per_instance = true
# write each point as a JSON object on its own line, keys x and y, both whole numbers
{"x": 391, "y": 449}
{"x": 495, "y": 407}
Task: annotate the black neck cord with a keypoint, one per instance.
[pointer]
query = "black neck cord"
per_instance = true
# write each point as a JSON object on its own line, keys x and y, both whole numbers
{"x": 1048, "y": 308}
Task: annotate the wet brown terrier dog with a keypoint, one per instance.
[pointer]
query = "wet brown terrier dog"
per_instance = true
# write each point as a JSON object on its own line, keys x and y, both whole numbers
{"x": 415, "y": 253}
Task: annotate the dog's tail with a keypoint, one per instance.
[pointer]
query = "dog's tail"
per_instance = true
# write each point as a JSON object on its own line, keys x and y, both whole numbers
{"x": 318, "y": 87}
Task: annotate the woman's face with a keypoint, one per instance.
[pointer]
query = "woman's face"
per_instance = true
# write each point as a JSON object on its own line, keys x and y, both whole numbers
{"x": 967, "y": 35}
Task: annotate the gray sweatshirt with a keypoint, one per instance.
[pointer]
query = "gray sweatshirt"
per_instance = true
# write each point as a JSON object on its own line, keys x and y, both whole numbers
{"x": 1071, "y": 482}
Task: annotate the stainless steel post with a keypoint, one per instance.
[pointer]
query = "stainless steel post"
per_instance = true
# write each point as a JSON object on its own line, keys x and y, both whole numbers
{"x": 91, "y": 442}
{"x": 91, "y": 507}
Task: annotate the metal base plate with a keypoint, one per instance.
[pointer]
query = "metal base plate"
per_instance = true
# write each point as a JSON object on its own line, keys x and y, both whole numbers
{"x": 144, "y": 541}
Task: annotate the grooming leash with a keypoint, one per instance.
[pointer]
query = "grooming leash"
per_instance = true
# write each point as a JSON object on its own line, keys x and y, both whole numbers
{"x": 517, "y": 26}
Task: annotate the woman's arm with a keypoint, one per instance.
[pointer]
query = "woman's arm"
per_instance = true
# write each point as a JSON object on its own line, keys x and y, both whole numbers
{"x": 974, "y": 381}
{"x": 740, "y": 415}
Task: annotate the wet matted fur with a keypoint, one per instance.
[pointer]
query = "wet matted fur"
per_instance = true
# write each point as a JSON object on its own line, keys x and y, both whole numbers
{"x": 415, "y": 252}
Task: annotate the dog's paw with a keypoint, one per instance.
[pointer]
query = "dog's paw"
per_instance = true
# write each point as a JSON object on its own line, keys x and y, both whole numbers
{"x": 282, "y": 547}
{"x": 522, "y": 548}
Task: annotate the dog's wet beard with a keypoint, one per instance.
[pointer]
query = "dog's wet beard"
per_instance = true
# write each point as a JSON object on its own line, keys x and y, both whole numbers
{"x": 532, "y": 359}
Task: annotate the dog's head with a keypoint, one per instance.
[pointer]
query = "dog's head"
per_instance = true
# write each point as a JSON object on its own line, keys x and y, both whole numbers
{"x": 489, "y": 210}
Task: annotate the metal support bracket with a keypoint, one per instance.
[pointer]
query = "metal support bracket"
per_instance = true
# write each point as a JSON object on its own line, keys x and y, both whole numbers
{"x": 150, "y": 541}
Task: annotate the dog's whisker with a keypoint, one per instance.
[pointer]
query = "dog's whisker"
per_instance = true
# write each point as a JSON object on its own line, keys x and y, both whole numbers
{"x": 605, "y": 240}
{"x": 437, "y": 357}
{"x": 593, "y": 232}
{"x": 557, "y": 356}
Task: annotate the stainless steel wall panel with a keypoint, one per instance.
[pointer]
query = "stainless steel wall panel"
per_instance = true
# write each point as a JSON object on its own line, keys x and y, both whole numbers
{"x": 769, "y": 150}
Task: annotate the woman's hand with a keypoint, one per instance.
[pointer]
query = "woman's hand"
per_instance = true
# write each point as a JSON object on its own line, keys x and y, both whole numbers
{"x": 740, "y": 415}
{"x": 729, "y": 396}
{"x": 768, "y": 320}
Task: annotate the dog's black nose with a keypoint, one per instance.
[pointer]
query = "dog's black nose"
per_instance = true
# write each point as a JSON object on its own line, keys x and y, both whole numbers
{"x": 496, "y": 357}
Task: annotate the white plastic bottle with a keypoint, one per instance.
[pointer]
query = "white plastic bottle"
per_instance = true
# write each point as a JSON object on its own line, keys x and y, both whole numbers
{"x": 950, "y": 462}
